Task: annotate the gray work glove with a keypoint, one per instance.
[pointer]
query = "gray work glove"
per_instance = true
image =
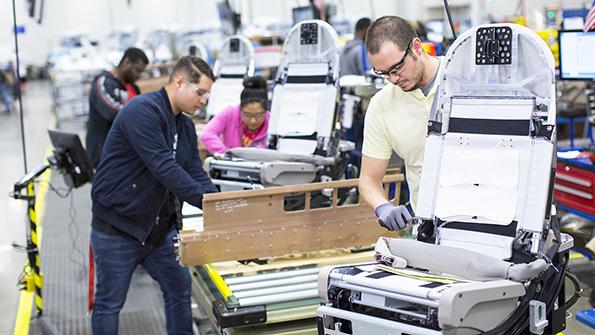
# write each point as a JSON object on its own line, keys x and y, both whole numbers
{"x": 394, "y": 217}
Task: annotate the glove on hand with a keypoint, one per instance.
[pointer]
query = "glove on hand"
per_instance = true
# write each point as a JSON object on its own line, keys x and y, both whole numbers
{"x": 394, "y": 217}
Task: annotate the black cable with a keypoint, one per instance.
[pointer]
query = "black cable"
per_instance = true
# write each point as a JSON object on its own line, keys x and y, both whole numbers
{"x": 18, "y": 86}
{"x": 520, "y": 326}
{"x": 577, "y": 291}
{"x": 452, "y": 26}
{"x": 520, "y": 311}
{"x": 73, "y": 233}
{"x": 18, "y": 248}
{"x": 546, "y": 295}
{"x": 61, "y": 192}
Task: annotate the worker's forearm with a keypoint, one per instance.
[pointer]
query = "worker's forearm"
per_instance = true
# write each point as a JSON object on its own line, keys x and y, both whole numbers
{"x": 372, "y": 192}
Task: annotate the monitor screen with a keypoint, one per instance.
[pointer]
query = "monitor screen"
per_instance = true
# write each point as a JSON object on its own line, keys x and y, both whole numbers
{"x": 302, "y": 13}
{"x": 435, "y": 31}
{"x": 71, "y": 159}
{"x": 576, "y": 55}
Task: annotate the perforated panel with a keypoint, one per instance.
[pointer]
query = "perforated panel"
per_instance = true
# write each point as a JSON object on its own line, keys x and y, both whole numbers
{"x": 309, "y": 33}
{"x": 234, "y": 45}
{"x": 493, "y": 46}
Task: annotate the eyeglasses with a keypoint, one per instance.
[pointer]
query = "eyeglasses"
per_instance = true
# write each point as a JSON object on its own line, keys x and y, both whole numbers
{"x": 257, "y": 116}
{"x": 392, "y": 71}
{"x": 202, "y": 93}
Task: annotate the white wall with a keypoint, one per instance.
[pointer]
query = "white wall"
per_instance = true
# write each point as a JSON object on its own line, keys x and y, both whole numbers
{"x": 100, "y": 16}
{"x": 97, "y": 17}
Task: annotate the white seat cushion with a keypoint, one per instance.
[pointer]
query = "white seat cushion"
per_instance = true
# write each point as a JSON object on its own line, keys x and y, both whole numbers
{"x": 478, "y": 186}
{"x": 300, "y": 108}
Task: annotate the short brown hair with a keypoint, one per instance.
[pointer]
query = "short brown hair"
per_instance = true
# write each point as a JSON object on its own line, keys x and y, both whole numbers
{"x": 389, "y": 28}
{"x": 192, "y": 68}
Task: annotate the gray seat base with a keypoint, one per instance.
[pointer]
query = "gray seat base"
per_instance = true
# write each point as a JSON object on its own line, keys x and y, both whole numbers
{"x": 265, "y": 173}
{"x": 269, "y": 155}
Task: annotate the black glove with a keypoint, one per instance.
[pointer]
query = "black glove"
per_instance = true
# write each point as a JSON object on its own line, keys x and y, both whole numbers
{"x": 394, "y": 217}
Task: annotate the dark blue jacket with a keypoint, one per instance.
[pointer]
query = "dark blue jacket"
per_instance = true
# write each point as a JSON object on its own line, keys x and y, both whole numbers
{"x": 137, "y": 167}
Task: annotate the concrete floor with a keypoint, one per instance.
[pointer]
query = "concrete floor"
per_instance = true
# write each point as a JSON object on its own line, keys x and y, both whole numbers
{"x": 37, "y": 116}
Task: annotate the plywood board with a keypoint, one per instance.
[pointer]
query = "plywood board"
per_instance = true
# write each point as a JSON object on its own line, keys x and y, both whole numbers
{"x": 254, "y": 224}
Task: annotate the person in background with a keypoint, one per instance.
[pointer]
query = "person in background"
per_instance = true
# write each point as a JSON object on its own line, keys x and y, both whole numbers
{"x": 319, "y": 9}
{"x": 420, "y": 30}
{"x": 150, "y": 165}
{"x": 353, "y": 59}
{"x": 245, "y": 125}
{"x": 110, "y": 91}
{"x": 6, "y": 83}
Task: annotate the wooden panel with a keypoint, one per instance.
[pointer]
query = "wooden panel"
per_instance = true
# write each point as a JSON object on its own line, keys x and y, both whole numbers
{"x": 254, "y": 224}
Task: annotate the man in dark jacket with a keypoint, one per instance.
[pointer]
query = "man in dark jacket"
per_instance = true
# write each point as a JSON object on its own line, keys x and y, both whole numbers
{"x": 150, "y": 164}
{"x": 110, "y": 91}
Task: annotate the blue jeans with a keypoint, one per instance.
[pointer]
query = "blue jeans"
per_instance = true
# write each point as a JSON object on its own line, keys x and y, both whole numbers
{"x": 116, "y": 257}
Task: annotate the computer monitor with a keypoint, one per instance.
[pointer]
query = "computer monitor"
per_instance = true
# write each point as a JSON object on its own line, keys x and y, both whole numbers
{"x": 302, "y": 13}
{"x": 435, "y": 30}
{"x": 70, "y": 158}
{"x": 576, "y": 50}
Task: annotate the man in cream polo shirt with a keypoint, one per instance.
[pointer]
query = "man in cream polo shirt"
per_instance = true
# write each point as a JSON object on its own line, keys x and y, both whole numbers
{"x": 397, "y": 117}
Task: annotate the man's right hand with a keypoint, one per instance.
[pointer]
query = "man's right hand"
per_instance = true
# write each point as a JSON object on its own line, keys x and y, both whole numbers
{"x": 393, "y": 217}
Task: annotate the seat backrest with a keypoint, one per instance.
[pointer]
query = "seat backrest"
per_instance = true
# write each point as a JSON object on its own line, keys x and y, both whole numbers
{"x": 303, "y": 108}
{"x": 235, "y": 58}
{"x": 490, "y": 148}
{"x": 235, "y": 61}
{"x": 192, "y": 46}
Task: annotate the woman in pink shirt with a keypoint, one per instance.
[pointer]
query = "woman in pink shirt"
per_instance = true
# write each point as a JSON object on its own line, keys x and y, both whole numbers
{"x": 240, "y": 126}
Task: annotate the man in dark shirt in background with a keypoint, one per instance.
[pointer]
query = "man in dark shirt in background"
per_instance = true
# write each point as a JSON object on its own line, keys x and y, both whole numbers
{"x": 150, "y": 164}
{"x": 110, "y": 91}
{"x": 353, "y": 59}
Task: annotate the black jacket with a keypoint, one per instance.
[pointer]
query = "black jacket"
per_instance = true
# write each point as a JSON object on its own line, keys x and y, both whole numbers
{"x": 138, "y": 167}
{"x": 107, "y": 97}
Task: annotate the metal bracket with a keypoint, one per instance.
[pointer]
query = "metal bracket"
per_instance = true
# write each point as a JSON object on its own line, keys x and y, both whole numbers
{"x": 26, "y": 180}
{"x": 434, "y": 127}
{"x": 494, "y": 46}
{"x": 238, "y": 316}
{"x": 545, "y": 131}
{"x": 537, "y": 317}
{"x": 424, "y": 231}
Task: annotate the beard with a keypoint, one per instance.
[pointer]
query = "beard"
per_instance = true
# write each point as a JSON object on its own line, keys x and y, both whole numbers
{"x": 417, "y": 75}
